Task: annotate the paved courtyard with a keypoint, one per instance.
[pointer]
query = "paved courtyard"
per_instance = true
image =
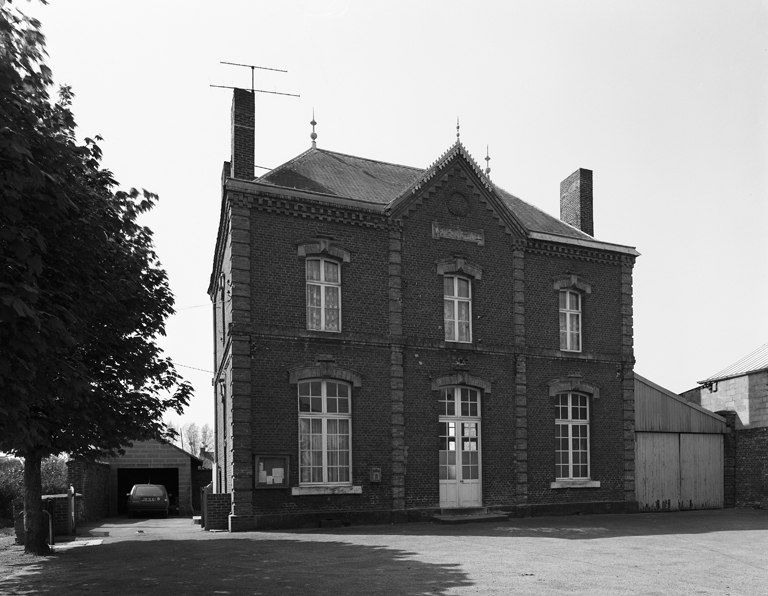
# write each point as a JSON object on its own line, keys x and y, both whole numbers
{"x": 722, "y": 552}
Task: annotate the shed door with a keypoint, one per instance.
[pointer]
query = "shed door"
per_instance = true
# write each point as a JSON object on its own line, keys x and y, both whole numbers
{"x": 677, "y": 471}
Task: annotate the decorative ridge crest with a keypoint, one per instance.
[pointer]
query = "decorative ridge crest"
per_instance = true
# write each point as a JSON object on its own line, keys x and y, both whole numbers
{"x": 456, "y": 149}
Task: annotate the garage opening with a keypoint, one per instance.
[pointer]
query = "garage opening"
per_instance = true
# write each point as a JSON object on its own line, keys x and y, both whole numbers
{"x": 127, "y": 477}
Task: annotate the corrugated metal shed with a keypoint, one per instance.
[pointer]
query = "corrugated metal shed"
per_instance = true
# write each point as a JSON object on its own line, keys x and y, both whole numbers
{"x": 660, "y": 410}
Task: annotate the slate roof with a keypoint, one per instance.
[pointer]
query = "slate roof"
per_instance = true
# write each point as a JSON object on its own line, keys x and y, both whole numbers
{"x": 328, "y": 172}
{"x": 753, "y": 362}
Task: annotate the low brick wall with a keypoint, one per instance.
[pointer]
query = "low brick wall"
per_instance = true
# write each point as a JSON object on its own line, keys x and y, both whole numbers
{"x": 752, "y": 467}
{"x": 217, "y": 508}
{"x": 57, "y": 506}
{"x": 92, "y": 481}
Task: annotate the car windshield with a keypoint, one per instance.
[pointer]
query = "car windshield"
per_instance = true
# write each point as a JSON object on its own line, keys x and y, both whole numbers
{"x": 149, "y": 491}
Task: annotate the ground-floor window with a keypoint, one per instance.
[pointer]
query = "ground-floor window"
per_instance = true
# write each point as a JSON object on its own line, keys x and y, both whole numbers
{"x": 325, "y": 432}
{"x": 572, "y": 436}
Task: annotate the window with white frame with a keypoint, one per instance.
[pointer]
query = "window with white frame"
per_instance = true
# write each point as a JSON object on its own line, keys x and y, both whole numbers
{"x": 570, "y": 321}
{"x": 457, "y": 308}
{"x": 325, "y": 432}
{"x": 572, "y": 436}
{"x": 323, "y": 295}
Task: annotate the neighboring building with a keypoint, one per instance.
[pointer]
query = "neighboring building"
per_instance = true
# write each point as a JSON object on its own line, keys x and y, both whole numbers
{"x": 739, "y": 393}
{"x": 741, "y": 387}
{"x": 391, "y": 341}
{"x": 153, "y": 462}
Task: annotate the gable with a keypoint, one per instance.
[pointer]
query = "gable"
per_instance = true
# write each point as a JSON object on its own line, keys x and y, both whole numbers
{"x": 457, "y": 185}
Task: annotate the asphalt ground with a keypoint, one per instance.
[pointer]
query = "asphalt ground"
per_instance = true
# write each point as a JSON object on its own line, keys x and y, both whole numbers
{"x": 722, "y": 552}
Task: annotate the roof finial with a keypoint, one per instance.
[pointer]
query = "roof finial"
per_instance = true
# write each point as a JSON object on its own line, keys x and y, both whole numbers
{"x": 458, "y": 131}
{"x": 487, "y": 162}
{"x": 313, "y": 136}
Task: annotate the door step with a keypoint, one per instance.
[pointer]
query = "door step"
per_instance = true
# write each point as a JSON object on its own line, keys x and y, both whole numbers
{"x": 468, "y": 515}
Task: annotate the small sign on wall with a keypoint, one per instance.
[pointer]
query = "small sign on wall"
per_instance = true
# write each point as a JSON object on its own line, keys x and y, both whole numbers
{"x": 271, "y": 471}
{"x": 375, "y": 475}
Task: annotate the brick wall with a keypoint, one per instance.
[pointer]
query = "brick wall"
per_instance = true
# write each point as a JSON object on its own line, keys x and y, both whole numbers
{"x": 92, "y": 481}
{"x": 217, "y": 508}
{"x": 752, "y": 467}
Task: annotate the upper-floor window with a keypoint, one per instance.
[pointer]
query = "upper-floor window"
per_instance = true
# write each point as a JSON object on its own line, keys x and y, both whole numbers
{"x": 572, "y": 436}
{"x": 457, "y": 308}
{"x": 323, "y": 295}
{"x": 570, "y": 321}
{"x": 325, "y": 432}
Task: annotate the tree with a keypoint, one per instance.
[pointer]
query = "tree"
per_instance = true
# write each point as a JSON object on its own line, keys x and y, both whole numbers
{"x": 192, "y": 437}
{"x": 83, "y": 296}
{"x": 206, "y": 437}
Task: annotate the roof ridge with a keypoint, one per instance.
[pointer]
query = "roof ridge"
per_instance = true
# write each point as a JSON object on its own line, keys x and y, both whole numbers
{"x": 540, "y": 210}
{"x": 284, "y": 165}
{"x": 388, "y": 163}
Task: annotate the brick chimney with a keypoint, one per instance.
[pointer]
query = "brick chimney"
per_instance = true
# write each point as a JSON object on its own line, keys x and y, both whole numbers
{"x": 243, "y": 144}
{"x": 576, "y": 201}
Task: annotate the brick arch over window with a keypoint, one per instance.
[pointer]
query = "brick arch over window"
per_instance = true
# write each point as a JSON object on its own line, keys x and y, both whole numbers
{"x": 322, "y": 246}
{"x": 573, "y": 383}
{"x": 324, "y": 370}
{"x": 460, "y": 265}
{"x": 572, "y": 281}
{"x": 461, "y": 378}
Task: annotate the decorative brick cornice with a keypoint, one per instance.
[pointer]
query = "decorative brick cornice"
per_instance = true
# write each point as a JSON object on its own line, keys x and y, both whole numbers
{"x": 311, "y": 209}
{"x": 461, "y": 377}
{"x": 574, "y": 252}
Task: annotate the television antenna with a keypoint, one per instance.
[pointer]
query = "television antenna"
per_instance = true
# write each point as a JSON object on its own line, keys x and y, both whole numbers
{"x": 253, "y": 68}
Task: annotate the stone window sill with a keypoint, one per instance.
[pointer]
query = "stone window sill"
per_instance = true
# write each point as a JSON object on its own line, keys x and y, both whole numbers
{"x": 575, "y": 484}
{"x": 326, "y": 490}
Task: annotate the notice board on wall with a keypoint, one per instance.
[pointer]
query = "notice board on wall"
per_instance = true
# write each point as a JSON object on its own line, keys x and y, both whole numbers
{"x": 271, "y": 471}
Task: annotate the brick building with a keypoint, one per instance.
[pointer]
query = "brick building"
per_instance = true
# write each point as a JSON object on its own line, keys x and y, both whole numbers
{"x": 391, "y": 341}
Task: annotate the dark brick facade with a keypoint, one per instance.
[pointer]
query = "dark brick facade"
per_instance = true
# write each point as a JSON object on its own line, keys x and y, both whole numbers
{"x": 393, "y": 337}
{"x": 752, "y": 467}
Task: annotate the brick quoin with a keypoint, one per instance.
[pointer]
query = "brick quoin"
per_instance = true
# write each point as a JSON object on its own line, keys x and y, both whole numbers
{"x": 393, "y": 339}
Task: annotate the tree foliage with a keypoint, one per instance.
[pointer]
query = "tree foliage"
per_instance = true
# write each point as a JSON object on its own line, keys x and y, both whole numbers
{"x": 83, "y": 296}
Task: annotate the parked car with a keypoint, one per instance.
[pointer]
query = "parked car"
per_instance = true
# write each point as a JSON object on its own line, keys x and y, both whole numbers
{"x": 148, "y": 498}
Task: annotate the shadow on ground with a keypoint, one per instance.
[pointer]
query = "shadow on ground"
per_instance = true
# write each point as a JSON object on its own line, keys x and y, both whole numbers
{"x": 234, "y": 566}
{"x": 583, "y": 527}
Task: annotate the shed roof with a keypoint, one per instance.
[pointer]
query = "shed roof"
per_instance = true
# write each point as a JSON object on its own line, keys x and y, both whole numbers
{"x": 659, "y": 410}
{"x": 753, "y": 362}
{"x": 329, "y": 172}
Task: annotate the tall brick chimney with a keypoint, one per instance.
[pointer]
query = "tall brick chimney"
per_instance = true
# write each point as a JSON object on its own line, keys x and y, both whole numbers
{"x": 576, "y": 201}
{"x": 243, "y": 144}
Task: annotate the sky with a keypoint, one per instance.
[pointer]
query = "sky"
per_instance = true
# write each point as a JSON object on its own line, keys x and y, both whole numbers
{"x": 666, "y": 101}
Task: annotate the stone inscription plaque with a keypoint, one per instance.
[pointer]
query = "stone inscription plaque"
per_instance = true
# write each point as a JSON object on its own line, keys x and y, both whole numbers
{"x": 453, "y": 233}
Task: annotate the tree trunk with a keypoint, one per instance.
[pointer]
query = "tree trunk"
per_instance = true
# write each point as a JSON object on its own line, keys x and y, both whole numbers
{"x": 35, "y": 521}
